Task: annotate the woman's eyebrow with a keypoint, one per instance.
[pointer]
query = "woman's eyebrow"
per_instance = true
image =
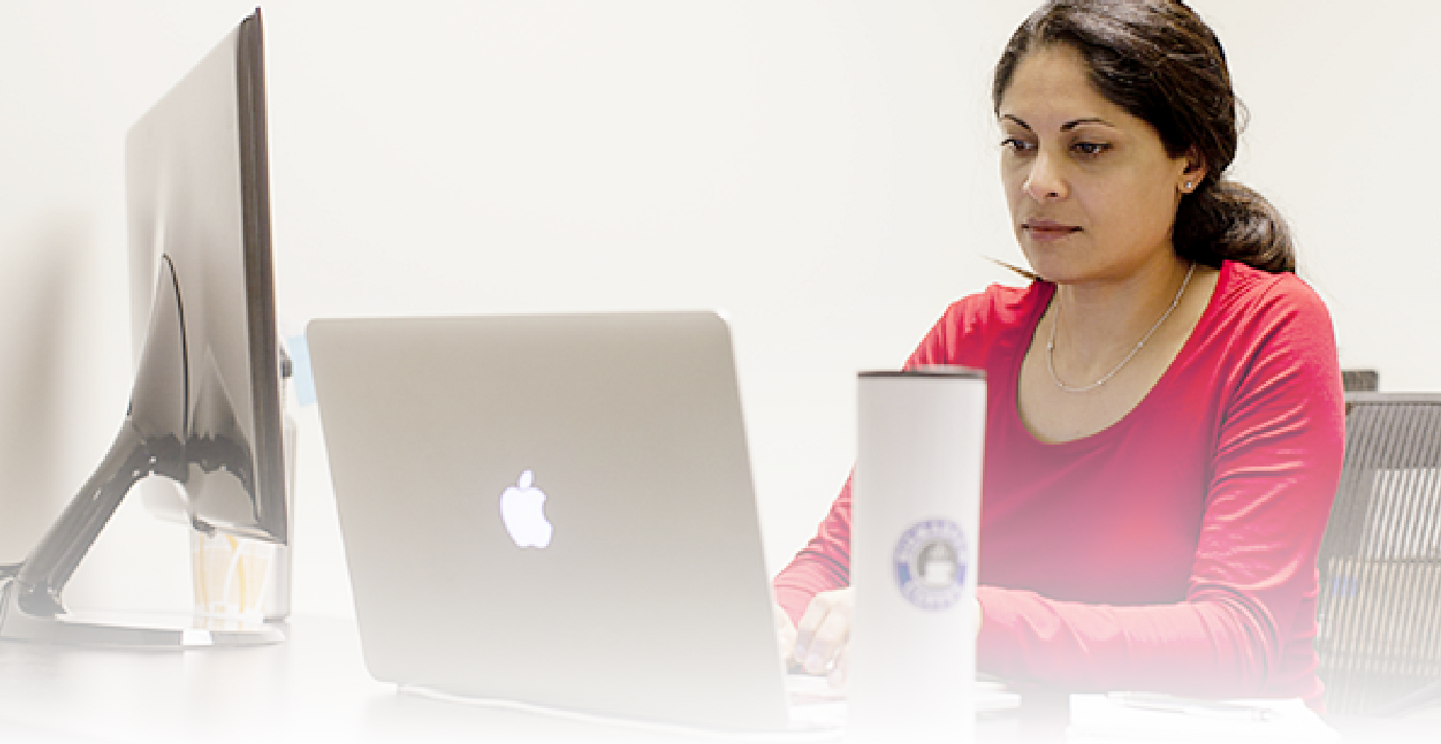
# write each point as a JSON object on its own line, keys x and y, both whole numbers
{"x": 1068, "y": 126}
{"x": 1018, "y": 121}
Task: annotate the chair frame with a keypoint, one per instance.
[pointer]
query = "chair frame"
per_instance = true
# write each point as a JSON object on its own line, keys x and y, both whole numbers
{"x": 1380, "y": 562}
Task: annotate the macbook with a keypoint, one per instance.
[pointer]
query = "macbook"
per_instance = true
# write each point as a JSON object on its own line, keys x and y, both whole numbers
{"x": 554, "y": 510}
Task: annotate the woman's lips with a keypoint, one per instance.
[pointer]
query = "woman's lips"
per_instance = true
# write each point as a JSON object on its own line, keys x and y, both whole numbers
{"x": 1046, "y": 230}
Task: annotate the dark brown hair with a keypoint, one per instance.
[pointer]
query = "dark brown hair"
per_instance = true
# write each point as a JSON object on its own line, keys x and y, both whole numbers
{"x": 1161, "y": 63}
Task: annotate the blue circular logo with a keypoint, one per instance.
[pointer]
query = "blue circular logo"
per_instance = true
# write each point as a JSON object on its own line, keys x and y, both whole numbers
{"x": 930, "y": 560}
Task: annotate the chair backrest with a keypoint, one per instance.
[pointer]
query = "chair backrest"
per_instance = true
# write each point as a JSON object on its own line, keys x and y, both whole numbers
{"x": 1380, "y": 561}
{"x": 1360, "y": 380}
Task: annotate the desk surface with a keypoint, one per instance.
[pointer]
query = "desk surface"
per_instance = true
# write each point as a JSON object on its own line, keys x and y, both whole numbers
{"x": 315, "y": 687}
{"x": 315, "y": 682}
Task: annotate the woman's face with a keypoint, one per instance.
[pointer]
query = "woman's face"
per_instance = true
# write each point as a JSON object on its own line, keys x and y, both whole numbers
{"x": 1092, "y": 191}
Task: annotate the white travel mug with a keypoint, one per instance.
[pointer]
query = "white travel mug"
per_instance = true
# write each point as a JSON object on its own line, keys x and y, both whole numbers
{"x": 915, "y": 513}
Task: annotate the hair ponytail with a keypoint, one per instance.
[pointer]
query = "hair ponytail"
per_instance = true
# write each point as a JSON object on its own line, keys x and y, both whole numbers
{"x": 1225, "y": 220}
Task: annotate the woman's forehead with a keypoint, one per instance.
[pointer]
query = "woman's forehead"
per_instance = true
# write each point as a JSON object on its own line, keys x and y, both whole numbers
{"x": 1051, "y": 90}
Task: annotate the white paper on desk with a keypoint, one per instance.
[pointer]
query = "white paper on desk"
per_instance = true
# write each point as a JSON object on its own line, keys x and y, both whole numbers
{"x": 1108, "y": 718}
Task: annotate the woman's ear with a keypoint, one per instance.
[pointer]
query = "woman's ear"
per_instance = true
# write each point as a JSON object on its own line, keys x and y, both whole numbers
{"x": 1194, "y": 172}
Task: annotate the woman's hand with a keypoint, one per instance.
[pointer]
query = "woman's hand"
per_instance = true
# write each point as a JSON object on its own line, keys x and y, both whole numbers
{"x": 822, "y": 639}
{"x": 785, "y": 636}
{"x": 820, "y": 645}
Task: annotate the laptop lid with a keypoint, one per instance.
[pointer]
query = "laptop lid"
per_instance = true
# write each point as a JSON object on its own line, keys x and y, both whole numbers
{"x": 555, "y": 510}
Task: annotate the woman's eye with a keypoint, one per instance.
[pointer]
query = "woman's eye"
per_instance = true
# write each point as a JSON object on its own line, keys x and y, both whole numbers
{"x": 1016, "y": 145}
{"x": 1090, "y": 148}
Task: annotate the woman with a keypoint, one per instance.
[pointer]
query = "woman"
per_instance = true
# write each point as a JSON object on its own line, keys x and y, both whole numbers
{"x": 1165, "y": 422}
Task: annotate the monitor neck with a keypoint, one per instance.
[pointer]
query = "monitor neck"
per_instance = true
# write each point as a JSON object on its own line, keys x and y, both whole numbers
{"x": 151, "y": 440}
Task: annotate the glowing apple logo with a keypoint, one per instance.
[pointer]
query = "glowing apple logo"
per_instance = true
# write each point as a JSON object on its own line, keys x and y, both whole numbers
{"x": 522, "y": 508}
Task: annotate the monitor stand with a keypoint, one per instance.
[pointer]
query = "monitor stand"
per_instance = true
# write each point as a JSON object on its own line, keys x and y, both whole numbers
{"x": 31, "y": 608}
{"x": 113, "y": 630}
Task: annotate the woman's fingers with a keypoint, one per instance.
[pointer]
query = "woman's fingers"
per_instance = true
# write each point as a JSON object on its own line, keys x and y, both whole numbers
{"x": 823, "y": 631}
{"x": 785, "y": 635}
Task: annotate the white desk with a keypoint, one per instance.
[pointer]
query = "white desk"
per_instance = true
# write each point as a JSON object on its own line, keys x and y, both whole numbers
{"x": 313, "y": 685}
{"x": 313, "y": 688}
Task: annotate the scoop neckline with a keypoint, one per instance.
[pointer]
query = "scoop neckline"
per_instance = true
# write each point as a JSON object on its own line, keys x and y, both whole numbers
{"x": 1110, "y": 431}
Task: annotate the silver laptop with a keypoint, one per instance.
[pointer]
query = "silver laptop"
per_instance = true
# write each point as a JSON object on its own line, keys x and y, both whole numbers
{"x": 553, "y": 510}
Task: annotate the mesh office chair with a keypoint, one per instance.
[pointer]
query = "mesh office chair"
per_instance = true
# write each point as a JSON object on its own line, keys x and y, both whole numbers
{"x": 1380, "y": 561}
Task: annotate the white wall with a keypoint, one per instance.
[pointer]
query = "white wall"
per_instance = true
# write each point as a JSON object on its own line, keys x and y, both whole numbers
{"x": 822, "y": 170}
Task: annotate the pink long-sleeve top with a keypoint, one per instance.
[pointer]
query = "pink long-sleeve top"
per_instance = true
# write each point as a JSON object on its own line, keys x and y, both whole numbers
{"x": 1172, "y": 551}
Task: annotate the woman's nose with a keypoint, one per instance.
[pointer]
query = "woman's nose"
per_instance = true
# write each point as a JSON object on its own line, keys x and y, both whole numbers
{"x": 1045, "y": 182}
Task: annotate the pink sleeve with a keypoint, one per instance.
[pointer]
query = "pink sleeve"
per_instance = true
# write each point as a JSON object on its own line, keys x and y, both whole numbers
{"x": 823, "y": 564}
{"x": 1253, "y": 579}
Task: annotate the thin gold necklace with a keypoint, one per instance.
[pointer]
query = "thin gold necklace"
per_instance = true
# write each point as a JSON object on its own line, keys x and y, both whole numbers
{"x": 1051, "y": 343}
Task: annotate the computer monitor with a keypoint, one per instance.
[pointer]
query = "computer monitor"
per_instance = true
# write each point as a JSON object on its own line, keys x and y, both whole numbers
{"x": 205, "y": 410}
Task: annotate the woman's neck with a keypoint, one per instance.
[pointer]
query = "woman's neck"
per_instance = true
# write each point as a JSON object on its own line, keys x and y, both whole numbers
{"x": 1101, "y": 321}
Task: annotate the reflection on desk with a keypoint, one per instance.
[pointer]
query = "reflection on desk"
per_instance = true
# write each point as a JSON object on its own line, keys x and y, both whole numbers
{"x": 315, "y": 688}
